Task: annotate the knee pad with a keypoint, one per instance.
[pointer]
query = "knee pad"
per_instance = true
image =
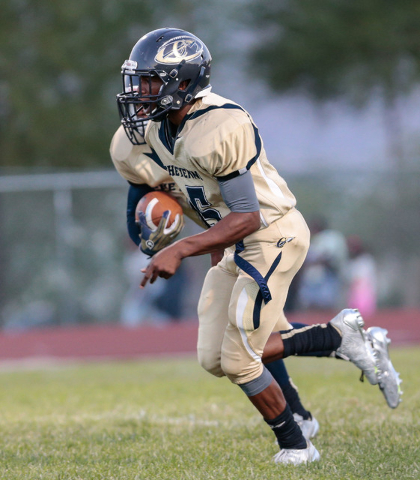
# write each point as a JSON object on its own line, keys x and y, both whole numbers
{"x": 210, "y": 362}
{"x": 240, "y": 370}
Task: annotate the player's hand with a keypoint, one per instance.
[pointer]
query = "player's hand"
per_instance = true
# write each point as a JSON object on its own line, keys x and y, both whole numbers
{"x": 164, "y": 264}
{"x": 152, "y": 241}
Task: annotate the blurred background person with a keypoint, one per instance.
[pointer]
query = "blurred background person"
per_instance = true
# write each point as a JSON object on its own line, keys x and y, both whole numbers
{"x": 139, "y": 306}
{"x": 322, "y": 282}
{"x": 362, "y": 288}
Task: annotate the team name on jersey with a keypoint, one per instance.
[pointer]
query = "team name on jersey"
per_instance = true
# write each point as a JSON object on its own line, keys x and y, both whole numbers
{"x": 175, "y": 171}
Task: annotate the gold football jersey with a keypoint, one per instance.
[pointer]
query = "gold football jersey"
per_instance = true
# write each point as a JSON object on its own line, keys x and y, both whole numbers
{"x": 138, "y": 164}
{"x": 218, "y": 139}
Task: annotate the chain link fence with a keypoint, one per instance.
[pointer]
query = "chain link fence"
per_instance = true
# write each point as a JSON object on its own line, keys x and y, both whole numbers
{"x": 65, "y": 256}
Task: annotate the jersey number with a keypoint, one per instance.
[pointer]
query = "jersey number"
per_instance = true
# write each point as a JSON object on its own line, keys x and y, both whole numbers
{"x": 201, "y": 205}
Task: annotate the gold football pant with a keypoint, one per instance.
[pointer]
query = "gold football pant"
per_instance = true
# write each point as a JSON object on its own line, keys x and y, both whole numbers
{"x": 234, "y": 320}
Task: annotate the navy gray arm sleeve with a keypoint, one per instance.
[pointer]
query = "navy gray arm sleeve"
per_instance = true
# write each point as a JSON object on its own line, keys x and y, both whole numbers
{"x": 239, "y": 193}
{"x": 135, "y": 193}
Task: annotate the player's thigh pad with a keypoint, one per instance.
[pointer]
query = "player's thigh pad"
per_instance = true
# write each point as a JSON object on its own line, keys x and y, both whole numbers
{"x": 251, "y": 320}
{"x": 213, "y": 308}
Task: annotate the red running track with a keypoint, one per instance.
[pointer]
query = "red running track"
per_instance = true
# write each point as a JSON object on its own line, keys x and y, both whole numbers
{"x": 98, "y": 342}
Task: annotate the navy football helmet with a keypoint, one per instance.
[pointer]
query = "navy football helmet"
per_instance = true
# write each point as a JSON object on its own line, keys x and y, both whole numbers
{"x": 173, "y": 56}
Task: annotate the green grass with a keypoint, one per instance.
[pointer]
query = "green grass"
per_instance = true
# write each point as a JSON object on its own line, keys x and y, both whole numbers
{"x": 168, "y": 419}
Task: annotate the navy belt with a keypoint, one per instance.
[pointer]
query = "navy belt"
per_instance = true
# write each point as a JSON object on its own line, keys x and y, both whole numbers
{"x": 252, "y": 272}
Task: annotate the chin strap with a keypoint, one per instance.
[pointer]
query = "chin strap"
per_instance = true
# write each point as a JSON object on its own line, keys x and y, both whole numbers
{"x": 185, "y": 95}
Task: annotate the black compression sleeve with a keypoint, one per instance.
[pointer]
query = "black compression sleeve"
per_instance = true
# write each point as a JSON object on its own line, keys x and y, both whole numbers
{"x": 135, "y": 193}
{"x": 313, "y": 338}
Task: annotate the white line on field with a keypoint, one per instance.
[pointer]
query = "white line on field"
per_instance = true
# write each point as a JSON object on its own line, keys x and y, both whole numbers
{"x": 141, "y": 416}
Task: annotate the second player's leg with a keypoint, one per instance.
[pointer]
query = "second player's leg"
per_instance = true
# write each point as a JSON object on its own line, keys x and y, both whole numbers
{"x": 307, "y": 423}
{"x": 344, "y": 334}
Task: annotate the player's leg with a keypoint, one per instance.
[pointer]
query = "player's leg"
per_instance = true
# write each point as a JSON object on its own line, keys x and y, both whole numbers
{"x": 281, "y": 376}
{"x": 307, "y": 423}
{"x": 241, "y": 361}
{"x": 345, "y": 335}
{"x": 212, "y": 313}
{"x": 323, "y": 354}
{"x": 251, "y": 322}
{"x": 213, "y": 320}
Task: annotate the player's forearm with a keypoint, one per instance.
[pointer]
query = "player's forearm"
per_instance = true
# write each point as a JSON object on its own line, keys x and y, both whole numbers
{"x": 230, "y": 230}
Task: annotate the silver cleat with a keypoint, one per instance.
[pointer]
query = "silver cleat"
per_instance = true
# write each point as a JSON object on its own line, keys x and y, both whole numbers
{"x": 309, "y": 427}
{"x": 388, "y": 379}
{"x": 296, "y": 457}
{"x": 354, "y": 345}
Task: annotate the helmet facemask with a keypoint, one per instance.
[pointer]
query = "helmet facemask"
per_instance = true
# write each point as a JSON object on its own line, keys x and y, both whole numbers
{"x": 134, "y": 124}
{"x": 156, "y": 106}
{"x": 135, "y": 108}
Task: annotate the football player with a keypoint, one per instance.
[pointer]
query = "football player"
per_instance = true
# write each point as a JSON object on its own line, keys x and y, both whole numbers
{"x": 141, "y": 168}
{"x": 212, "y": 149}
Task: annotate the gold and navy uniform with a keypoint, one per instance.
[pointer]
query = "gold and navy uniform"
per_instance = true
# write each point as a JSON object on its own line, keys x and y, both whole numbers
{"x": 218, "y": 140}
{"x": 243, "y": 296}
{"x": 139, "y": 165}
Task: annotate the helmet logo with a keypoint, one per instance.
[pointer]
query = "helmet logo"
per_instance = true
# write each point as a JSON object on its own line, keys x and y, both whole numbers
{"x": 177, "y": 49}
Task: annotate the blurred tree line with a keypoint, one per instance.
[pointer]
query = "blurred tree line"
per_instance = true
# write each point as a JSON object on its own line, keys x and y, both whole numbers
{"x": 59, "y": 67}
{"x": 337, "y": 47}
{"x": 352, "y": 50}
{"x": 348, "y": 49}
{"x": 59, "y": 61}
{"x": 60, "y": 71}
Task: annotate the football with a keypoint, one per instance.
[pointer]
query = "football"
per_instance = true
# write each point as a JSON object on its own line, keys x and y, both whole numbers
{"x": 153, "y": 204}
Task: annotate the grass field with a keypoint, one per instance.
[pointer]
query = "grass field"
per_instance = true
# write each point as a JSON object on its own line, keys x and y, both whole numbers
{"x": 168, "y": 419}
